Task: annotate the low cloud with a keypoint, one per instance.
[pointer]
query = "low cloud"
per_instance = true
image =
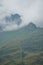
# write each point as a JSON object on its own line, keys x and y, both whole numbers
{"x": 10, "y": 26}
{"x": 30, "y": 11}
{"x": 12, "y": 22}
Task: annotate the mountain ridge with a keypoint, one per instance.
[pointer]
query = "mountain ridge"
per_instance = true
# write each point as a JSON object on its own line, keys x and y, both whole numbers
{"x": 30, "y": 26}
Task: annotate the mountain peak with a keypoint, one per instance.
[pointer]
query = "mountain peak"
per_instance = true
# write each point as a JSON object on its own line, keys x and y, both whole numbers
{"x": 31, "y": 26}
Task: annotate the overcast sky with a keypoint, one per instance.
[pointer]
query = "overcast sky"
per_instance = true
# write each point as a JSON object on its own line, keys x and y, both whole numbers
{"x": 30, "y": 10}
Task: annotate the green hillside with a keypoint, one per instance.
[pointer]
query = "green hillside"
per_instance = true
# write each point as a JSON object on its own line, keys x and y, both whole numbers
{"x": 21, "y": 47}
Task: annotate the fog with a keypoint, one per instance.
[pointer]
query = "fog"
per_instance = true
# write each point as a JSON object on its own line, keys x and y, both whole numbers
{"x": 30, "y": 11}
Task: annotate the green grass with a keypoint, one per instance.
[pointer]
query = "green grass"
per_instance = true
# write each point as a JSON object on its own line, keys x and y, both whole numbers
{"x": 21, "y": 47}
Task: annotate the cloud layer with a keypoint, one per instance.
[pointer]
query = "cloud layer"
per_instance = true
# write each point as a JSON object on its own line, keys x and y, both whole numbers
{"x": 30, "y": 11}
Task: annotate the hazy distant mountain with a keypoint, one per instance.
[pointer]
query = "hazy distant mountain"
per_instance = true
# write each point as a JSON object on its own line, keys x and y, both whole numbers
{"x": 31, "y": 26}
{"x": 14, "y": 18}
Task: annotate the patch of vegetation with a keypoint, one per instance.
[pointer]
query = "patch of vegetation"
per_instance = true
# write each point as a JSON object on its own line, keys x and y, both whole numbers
{"x": 21, "y": 47}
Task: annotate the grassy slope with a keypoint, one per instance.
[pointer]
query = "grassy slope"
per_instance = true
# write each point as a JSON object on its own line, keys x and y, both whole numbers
{"x": 22, "y": 43}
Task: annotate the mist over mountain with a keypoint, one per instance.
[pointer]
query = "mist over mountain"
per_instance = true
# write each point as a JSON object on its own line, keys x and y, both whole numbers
{"x": 11, "y": 22}
{"x": 31, "y": 26}
{"x": 14, "y": 22}
{"x": 14, "y": 18}
{"x": 31, "y": 10}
